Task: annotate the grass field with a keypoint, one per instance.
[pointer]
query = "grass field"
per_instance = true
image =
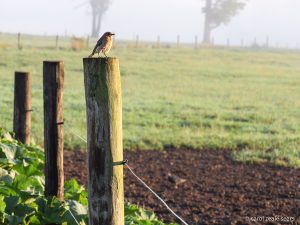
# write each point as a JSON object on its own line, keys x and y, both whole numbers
{"x": 244, "y": 100}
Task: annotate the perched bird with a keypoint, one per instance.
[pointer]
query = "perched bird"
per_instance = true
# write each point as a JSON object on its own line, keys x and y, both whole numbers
{"x": 103, "y": 44}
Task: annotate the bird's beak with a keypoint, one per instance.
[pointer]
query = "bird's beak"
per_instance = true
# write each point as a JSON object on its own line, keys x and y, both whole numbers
{"x": 112, "y": 34}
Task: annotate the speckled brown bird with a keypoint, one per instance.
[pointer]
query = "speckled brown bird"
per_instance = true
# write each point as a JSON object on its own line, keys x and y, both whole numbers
{"x": 104, "y": 44}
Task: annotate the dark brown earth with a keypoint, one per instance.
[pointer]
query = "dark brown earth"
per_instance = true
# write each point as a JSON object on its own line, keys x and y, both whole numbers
{"x": 217, "y": 190}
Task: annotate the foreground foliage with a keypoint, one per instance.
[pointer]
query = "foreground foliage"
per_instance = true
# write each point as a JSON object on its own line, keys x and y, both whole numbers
{"x": 22, "y": 199}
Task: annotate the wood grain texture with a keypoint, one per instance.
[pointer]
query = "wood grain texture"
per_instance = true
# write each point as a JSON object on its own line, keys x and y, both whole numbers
{"x": 104, "y": 136}
{"x": 53, "y": 81}
{"x": 22, "y": 107}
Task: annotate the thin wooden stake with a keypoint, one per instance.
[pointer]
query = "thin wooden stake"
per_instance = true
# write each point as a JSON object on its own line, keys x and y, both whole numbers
{"x": 22, "y": 107}
{"x": 137, "y": 41}
{"x": 53, "y": 128}
{"x": 196, "y": 42}
{"x": 19, "y": 41}
{"x": 158, "y": 42}
{"x": 87, "y": 42}
{"x": 104, "y": 141}
{"x": 56, "y": 42}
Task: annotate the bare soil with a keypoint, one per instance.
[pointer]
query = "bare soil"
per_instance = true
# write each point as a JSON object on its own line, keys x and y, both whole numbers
{"x": 217, "y": 190}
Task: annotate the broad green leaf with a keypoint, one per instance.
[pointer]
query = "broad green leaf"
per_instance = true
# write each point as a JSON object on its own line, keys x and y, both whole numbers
{"x": 2, "y": 204}
{"x": 8, "y": 151}
{"x": 11, "y": 202}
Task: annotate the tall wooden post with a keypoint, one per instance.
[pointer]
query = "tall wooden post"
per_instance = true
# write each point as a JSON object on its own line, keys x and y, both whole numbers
{"x": 53, "y": 128}
{"x": 22, "y": 107}
{"x": 104, "y": 141}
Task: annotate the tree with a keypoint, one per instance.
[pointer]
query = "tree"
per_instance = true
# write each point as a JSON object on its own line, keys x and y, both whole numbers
{"x": 219, "y": 12}
{"x": 99, "y": 7}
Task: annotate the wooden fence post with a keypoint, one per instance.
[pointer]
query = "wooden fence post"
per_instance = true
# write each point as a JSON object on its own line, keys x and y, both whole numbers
{"x": 104, "y": 141}
{"x": 53, "y": 82}
{"x": 137, "y": 41}
{"x": 158, "y": 42}
{"x": 22, "y": 107}
{"x": 267, "y": 42}
{"x": 255, "y": 42}
{"x": 19, "y": 41}
{"x": 56, "y": 42}
{"x": 87, "y": 42}
{"x": 196, "y": 42}
{"x": 228, "y": 43}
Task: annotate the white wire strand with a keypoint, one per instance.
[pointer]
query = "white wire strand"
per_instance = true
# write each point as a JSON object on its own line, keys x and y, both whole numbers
{"x": 73, "y": 217}
{"x": 156, "y": 195}
{"x": 74, "y": 133}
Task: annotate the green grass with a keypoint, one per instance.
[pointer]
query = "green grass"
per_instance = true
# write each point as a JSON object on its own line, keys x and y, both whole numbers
{"x": 243, "y": 100}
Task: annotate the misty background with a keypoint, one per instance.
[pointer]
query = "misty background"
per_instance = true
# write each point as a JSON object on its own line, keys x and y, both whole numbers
{"x": 277, "y": 19}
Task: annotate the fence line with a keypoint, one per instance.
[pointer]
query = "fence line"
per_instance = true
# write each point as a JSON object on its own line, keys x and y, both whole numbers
{"x": 53, "y": 143}
{"x": 83, "y": 43}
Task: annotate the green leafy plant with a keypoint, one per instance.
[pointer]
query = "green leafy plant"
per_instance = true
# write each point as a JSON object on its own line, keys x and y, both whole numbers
{"x": 22, "y": 199}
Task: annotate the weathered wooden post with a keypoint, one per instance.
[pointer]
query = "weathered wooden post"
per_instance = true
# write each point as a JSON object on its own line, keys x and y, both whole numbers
{"x": 104, "y": 141}
{"x": 87, "y": 42}
{"x": 158, "y": 42}
{"x": 267, "y": 42}
{"x": 255, "y": 42}
{"x": 228, "y": 43}
{"x": 137, "y": 41}
{"x": 53, "y": 81}
{"x": 56, "y": 42}
{"x": 22, "y": 107}
{"x": 212, "y": 43}
{"x": 196, "y": 42}
{"x": 19, "y": 41}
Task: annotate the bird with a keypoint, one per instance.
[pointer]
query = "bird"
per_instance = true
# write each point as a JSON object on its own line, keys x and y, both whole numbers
{"x": 103, "y": 45}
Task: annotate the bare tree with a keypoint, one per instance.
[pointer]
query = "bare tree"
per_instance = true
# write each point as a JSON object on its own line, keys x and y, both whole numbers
{"x": 219, "y": 12}
{"x": 99, "y": 7}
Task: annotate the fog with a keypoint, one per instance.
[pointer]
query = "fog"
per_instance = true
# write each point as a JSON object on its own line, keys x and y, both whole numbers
{"x": 277, "y": 19}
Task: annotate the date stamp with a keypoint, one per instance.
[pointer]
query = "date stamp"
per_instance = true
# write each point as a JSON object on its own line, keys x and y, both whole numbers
{"x": 267, "y": 219}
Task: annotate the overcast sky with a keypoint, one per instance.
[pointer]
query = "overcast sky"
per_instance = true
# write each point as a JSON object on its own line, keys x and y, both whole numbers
{"x": 278, "y": 19}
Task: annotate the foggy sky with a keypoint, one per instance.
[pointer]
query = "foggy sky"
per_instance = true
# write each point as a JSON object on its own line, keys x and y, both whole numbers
{"x": 278, "y": 19}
